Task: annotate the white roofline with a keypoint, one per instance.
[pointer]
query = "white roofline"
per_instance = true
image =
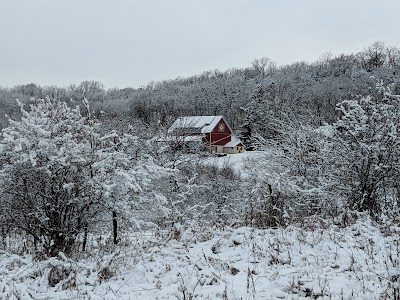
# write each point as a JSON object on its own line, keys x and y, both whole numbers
{"x": 233, "y": 143}
{"x": 205, "y": 123}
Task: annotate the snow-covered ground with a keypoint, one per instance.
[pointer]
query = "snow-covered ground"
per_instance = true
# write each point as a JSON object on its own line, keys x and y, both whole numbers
{"x": 236, "y": 161}
{"x": 357, "y": 262}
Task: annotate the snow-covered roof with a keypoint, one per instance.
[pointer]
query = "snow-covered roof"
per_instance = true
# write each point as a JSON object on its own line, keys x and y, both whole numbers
{"x": 194, "y": 138}
{"x": 201, "y": 124}
{"x": 190, "y": 138}
{"x": 233, "y": 143}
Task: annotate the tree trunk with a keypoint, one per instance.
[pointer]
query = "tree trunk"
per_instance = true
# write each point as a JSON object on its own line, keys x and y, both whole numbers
{"x": 57, "y": 244}
{"x": 3, "y": 237}
{"x": 85, "y": 235}
{"x": 115, "y": 227}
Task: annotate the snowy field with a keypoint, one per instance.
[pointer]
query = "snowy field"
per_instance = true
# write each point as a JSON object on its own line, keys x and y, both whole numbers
{"x": 236, "y": 161}
{"x": 357, "y": 262}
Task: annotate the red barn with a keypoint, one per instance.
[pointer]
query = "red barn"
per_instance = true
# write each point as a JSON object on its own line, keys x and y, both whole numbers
{"x": 214, "y": 131}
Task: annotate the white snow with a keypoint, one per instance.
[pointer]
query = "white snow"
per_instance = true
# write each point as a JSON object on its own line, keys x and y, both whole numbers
{"x": 237, "y": 161}
{"x": 232, "y": 144}
{"x": 204, "y": 123}
{"x": 357, "y": 262}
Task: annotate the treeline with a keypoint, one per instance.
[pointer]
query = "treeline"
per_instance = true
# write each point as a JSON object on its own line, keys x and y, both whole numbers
{"x": 305, "y": 91}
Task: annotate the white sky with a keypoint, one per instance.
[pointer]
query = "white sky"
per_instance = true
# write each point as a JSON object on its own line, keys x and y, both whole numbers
{"x": 130, "y": 43}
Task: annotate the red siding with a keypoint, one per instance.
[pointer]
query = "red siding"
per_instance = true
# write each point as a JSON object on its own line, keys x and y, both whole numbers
{"x": 219, "y": 138}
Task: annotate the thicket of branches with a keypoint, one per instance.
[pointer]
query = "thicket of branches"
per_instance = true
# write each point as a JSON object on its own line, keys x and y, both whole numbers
{"x": 79, "y": 160}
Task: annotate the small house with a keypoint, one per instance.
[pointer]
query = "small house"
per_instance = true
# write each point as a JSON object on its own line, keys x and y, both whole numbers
{"x": 234, "y": 147}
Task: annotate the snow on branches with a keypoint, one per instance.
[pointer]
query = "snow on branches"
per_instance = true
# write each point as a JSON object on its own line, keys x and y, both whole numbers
{"x": 60, "y": 175}
{"x": 367, "y": 138}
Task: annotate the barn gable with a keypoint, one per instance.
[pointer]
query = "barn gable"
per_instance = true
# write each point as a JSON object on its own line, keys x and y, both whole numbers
{"x": 219, "y": 133}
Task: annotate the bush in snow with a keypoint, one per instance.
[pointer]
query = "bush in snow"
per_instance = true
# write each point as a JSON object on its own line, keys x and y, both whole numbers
{"x": 367, "y": 152}
{"x": 59, "y": 175}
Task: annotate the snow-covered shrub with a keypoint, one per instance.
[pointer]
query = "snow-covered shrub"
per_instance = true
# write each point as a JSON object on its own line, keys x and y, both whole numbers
{"x": 292, "y": 180}
{"x": 202, "y": 192}
{"x": 351, "y": 165}
{"x": 59, "y": 176}
{"x": 48, "y": 173}
{"x": 367, "y": 150}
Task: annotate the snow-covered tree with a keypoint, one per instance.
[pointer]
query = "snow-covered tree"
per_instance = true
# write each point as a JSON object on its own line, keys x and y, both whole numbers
{"x": 129, "y": 182}
{"x": 48, "y": 170}
{"x": 58, "y": 174}
{"x": 367, "y": 148}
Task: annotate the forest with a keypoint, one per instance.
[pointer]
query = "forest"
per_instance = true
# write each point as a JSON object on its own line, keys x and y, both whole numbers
{"x": 84, "y": 180}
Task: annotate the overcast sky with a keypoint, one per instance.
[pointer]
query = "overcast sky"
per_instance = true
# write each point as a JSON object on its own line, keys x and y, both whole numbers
{"x": 130, "y": 43}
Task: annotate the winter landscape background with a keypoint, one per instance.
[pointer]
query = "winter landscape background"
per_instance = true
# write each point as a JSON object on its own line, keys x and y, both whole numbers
{"x": 98, "y": 202}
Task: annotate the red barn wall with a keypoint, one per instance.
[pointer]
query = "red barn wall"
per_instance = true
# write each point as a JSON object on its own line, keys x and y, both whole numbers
{"x": 219, "y": 138}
